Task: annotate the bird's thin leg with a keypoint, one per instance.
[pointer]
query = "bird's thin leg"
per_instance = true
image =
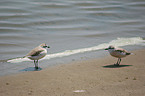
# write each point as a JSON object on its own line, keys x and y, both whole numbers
{"x": 119, "y": 61}
{"x": 36, "y": 64}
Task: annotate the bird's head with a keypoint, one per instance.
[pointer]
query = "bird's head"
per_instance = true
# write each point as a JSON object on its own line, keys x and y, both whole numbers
{"x": 110, "y": 47}
{"x": 43, "y": 45}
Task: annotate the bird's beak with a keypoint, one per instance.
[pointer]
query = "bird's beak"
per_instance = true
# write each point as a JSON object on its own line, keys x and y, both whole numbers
{"x": 106, "y": 48}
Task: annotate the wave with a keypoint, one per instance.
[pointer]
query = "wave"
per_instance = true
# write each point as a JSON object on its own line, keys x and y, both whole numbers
{"x": 117, "y": 42}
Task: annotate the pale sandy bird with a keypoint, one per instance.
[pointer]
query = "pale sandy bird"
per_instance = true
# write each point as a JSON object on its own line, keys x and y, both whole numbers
{"x": 38, "y": 53}
{"x": 118, "y": 53}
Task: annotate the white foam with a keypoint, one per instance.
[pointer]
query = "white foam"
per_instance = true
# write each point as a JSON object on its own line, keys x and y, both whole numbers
{"x": 18, "y": 60}
{"x": 117, "y": 42}
{"x": 79, "y": 91}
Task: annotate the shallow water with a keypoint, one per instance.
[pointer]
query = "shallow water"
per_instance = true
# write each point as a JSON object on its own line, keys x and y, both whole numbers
{"x": 66, "y": 25}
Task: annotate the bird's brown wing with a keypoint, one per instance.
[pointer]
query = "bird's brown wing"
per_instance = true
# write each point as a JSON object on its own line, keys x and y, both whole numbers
{"x": 121, "y": 50}
{"x": 36, "y": 51}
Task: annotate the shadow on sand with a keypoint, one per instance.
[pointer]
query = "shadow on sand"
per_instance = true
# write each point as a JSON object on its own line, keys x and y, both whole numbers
{"x": 115, "y": 66}
{"x": 31, "y": 69}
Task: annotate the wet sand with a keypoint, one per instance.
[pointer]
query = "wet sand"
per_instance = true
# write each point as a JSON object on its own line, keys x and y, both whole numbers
{"x": 97, "y": 77}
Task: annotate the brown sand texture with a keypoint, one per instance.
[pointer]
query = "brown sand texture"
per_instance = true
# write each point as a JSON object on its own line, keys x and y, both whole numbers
{"x": 97, "y": 77}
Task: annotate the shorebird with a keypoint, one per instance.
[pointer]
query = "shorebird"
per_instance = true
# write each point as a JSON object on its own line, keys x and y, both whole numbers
{"x": 37, "y": 53}
{"x": 118, "y": 53}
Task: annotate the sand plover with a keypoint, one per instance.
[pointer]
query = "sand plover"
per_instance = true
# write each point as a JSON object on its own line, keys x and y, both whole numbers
{"x": 37, "y": 53}
{"x": 118, "y": 53}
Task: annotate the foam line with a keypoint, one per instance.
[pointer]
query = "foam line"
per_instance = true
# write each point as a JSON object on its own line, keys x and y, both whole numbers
{"x": 117, "y": 42}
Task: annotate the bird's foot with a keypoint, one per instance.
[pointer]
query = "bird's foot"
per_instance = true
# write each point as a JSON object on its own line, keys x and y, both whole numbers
{"x": 36, "y": 68}
{"x": 116, "y": 64}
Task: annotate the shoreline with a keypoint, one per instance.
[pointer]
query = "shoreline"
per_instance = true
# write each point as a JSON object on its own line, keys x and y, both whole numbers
{"x": 94, "y": 77}
{"x": 67, "y": 55}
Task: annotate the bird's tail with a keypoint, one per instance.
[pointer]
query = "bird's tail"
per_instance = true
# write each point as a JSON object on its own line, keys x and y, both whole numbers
{"x": 130, "y": 54}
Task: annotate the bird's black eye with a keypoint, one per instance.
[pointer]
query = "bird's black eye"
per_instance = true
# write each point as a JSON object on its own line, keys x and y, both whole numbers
{"x": 44, "y": 46}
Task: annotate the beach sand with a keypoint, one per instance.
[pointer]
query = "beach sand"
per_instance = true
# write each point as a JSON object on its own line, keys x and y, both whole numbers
{"x": 97, "y": 77}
